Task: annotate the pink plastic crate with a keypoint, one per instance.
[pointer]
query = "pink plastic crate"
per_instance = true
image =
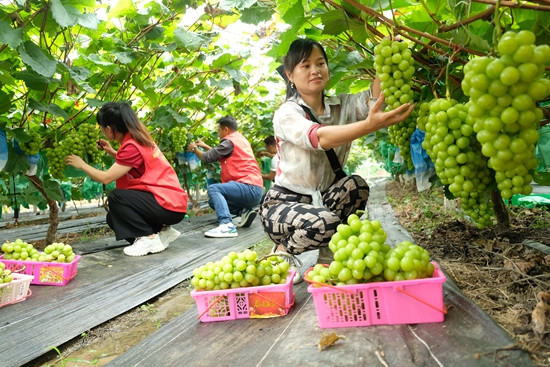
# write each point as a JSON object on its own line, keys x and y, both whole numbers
{"x": 249, "y": 302}
{"x": 15, "y": 291}
{"x": 45, "y": 273}
{"x": 381, "y": 303}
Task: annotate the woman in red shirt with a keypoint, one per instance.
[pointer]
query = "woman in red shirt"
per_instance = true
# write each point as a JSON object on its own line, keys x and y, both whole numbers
{"x": 148, "y": 198}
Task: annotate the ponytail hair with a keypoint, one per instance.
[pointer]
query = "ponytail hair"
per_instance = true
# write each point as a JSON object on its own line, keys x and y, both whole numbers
{"x": 121, "y": 118}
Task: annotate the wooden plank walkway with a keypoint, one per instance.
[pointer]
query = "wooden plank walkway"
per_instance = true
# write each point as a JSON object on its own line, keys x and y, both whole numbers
{"x": 293, "y": 340}
{"x": 109, "y": 283}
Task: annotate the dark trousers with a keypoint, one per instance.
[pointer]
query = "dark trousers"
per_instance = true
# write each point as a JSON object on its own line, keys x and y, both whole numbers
{"x": 290, "y": 219}
{"x": 134, "y": 213}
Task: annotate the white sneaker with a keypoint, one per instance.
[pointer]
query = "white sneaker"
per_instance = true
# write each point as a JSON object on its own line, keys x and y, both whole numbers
{"x": 144, "y": 245}
{"x": 223, "y": 230}
{"x": 293, "y": 261}
{"x": 168, "y": 235}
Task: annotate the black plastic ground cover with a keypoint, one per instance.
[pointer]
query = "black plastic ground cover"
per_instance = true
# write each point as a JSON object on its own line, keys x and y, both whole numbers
{"x": 293, "y": 340}
{"x": 37, "y": 232}
{"x": 108, "y": 283}
{"x": 8, "y": 219}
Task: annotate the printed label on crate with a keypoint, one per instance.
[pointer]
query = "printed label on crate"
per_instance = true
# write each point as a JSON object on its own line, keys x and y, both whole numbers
{"x": 51, "y": 274}
{"x": 267, "y": 304}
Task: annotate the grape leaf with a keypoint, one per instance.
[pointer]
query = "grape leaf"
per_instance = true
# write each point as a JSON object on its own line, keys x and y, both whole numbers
{"x": 335, "y": 22}
{"x": 542, "y": 178}
{"x": 256, "y": 14}
{"x": 79, "y": 73}
{"x": 33, "y": 56}
{"x": 20, "y": 134}
{"x": 61, "y": 15}
{"x": 88, "y": 20}
{"x": 238, "y": 4}
{"x": 123, "y": 8}
{"x": 16, "y": 163}
{"x": 10, "y": 36}
{"x": 294, "y": 15}
{"x": 190, "y": 41}
{"x": 32, "y": 196}
{"x": 32, "y": 80}
{"x": 53, "y": 190}
{"x": 5, "y": 77}
{"x": 5, "y": 102}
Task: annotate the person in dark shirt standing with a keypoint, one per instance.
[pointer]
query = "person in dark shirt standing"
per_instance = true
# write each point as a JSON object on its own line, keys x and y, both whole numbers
{"x": 242, "y": 185}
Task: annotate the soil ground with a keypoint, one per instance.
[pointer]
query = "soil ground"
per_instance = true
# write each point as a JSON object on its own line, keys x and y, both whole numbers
{"x": 493, "y": 267}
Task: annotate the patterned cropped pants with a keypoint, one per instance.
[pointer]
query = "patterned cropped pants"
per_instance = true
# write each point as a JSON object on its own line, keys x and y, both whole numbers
{"x": 289, "y": 218}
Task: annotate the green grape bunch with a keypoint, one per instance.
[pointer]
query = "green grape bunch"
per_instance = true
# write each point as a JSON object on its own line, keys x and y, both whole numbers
{"x": 72, "y": 145}
{"x": 503, "y": 93}
{"x": 362, "y": 256}
{"x": 394, "y": 66}
{"x": 400, "y": 136}
{"x": 450, "y": 143}
{"x": 243, "y": 269}
{"x": 82, "y": 142}
{"x": 22, "y": 251}
{"x": 89, "y": 135}
{"x": 31, "y": 147}
{"x": 179, "y": 139}
{"x": 6, "y": 275}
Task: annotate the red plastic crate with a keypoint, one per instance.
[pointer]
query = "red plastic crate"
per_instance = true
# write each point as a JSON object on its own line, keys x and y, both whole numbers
{"x": 249, "y": 302}
{"x": 381, "y": 303}
{"x": 45, "y": 273}
{"x": 15, "y": 291}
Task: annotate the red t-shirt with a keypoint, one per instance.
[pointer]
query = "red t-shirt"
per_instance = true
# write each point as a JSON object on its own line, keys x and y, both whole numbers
{"x": 131, "y": 157}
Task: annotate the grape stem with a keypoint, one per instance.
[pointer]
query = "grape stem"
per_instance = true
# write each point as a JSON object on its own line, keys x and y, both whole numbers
{"x": 498, "y": 29}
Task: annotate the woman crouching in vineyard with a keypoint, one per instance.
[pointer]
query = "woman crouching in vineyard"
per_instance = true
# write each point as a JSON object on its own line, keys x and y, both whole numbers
{"x": 312, "y": 195}
{"x": 148, "y": 198}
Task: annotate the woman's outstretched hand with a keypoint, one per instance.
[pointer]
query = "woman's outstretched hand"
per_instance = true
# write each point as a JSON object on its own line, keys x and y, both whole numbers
{"x": 75, "y": 161}
{"x": 378, "y": 119}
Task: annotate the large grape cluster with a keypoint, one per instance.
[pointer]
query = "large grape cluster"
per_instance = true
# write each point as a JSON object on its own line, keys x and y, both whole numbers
{"x": 243, "y": 269}
{"x": 90, "y": 135}
{"x": 394, "y": 67}
{"x": 31, "y": 147}
{"x": 503, "y": 92}
{"x": 458, "y": 162}
{"x": 422, "y": 115}
{"x": 361, "y": 256}
{"x": 82, "y": 143}
{"x": 179, "y": 139}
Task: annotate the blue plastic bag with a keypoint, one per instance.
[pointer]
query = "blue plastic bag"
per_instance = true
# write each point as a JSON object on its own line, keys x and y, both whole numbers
{"x": 423, "y": 165}
{"x": 3, "y": 149}
{"x": 190, "y": 159}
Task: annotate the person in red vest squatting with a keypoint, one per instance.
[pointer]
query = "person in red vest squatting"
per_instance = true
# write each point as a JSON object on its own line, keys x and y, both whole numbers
{"x": 148, "y": 198}
{"x": 242, "y": 185}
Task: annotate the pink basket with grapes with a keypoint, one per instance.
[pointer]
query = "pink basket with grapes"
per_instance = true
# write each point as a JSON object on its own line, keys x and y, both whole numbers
{"x": 264, "y": 301}
{"x": 45, "y": 273}
{"x": 380, "y": 303}
{"x": 15, "y": 291}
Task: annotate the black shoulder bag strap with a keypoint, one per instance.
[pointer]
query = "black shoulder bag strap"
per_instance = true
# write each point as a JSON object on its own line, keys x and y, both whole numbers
{"x": 331, "y": 154}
